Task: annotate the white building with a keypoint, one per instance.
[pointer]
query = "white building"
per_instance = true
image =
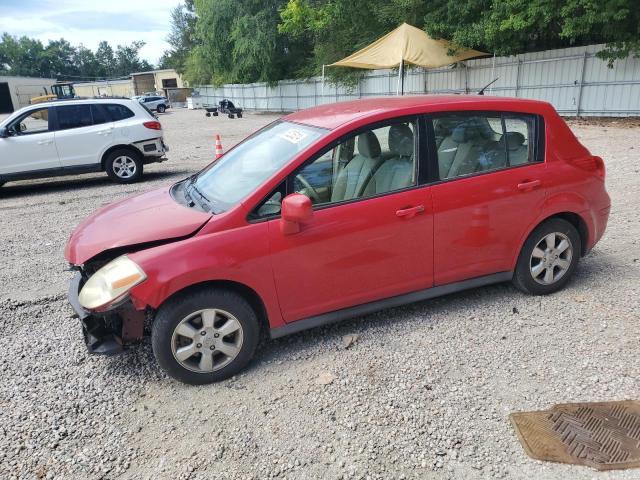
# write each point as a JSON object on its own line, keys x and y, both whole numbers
{"x": 16, "y": 92}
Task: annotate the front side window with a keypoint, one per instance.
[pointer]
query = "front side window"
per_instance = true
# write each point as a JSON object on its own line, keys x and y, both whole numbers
{"x": 373, "y": 162}
{"x": 251, "y": 163}
{"x": 473, "y": 143}
{"x": 36, "y": 121}
{"x": 73, "y": 116}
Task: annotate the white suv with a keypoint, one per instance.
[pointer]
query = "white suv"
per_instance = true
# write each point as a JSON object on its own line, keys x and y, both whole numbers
{"x": 155, "y": 102}
{"x": 68, "y": 137}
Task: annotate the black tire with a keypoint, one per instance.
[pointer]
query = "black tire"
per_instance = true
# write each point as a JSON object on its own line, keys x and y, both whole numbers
{"x": 231, "y": 115}
{"x": 239, "y": 114}
{"x": 523, "y": 277}
{"x": 112, "y": 162}
{"x": 180, "y": 307}
{"x": 215, "y": 114}
{"x": 161, "y": 108}
{"x": 208, "y": 114}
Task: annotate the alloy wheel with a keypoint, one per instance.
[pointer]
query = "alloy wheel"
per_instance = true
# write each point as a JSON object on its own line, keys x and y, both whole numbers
{"x": 207, "y": 340}
{"x": 551, "y": 258}
{"x": 124, "y": 167}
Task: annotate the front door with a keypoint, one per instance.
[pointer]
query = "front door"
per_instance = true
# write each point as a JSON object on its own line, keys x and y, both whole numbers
{"x": 371, "y": 233}
{"x": 491, "y": 191}
{"x": 30, "y": 145}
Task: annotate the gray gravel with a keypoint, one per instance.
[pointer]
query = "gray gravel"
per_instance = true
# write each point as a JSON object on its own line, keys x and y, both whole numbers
{"x": 421, "y": 391}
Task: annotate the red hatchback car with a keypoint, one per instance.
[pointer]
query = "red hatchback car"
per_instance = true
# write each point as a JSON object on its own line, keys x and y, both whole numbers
{"x": 334, "y": 212}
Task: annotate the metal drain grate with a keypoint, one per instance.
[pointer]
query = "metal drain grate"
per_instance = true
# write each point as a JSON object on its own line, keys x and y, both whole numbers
{"x": 605, "y": 436}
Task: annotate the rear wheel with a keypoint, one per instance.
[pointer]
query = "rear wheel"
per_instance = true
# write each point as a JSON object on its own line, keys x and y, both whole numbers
{"x": 124, "y": 166}
{"x": 548, "y": 258}
{"x": 205, "y": 336}
{"x": 161, "y": 108}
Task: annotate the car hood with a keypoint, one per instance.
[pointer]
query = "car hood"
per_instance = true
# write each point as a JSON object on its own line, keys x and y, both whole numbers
{"x": 149, "y": 217}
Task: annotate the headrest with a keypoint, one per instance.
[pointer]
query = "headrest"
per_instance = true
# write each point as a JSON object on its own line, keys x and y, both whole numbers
{"x": 368, "y": 145}
{"x": 401, "y": 140}
{"x": 465, "y": 132}
{"x": 514, "y": 140}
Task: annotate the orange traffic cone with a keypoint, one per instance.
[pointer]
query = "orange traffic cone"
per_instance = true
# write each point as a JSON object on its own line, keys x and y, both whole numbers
{"x": 219, "y": 151}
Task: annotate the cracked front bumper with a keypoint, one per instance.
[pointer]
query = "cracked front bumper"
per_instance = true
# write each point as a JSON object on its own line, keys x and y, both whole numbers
{"x": 106, "y": 333}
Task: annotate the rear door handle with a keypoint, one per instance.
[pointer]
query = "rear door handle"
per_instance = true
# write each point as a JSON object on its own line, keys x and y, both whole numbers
{"x": 528, "y": 185}
{"x": 45, "y": 142}
{"x": 409, "y": 212}
{"x": 105, "y": 132}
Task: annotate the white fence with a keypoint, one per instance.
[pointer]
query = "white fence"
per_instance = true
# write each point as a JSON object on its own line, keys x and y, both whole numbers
{"x": 574, "y": 80}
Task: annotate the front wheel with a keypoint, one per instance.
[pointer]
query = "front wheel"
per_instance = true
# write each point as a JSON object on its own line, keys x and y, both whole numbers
{"x": 548, "y": 258}
{"x": 161, "y": 108}
{"x": 124, "y": 166}
{"x": 205, "y": 336}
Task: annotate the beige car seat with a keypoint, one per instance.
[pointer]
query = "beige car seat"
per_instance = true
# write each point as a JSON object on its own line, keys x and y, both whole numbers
{"x": 397, "y": 172}
{"x": 353, "y": 178}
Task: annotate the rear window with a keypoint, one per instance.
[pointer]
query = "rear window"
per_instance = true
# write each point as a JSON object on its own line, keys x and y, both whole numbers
{"x": 73, "y": 116}
{"x": 148, "y": 111}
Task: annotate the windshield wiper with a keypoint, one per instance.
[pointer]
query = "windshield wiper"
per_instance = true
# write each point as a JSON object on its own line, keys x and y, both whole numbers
{"x": 204, "y": 201}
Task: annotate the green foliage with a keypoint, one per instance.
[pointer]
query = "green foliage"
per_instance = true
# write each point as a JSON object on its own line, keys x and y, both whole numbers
{"x": 238, "y": 41}
{"x": 181, "y": 37}
{"x": 59, "y": 59}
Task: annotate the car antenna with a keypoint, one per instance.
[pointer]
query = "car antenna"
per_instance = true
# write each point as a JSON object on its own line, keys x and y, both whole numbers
{"x": 481, "y": 92}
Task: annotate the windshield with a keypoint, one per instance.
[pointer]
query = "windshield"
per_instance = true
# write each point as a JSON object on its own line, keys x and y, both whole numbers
{"x": 251, "y": 163}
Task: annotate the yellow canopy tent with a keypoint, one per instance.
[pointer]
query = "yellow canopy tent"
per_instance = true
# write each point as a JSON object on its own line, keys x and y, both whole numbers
{"x": 407, "y": 44}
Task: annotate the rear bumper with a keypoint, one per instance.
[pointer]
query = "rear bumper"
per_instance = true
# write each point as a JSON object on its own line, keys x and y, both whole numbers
{"x": 153, "y": 149}
{"x": 106, "y": 333}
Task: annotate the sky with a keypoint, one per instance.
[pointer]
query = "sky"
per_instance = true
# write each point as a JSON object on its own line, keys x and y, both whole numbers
{"x": 87, "y": 22}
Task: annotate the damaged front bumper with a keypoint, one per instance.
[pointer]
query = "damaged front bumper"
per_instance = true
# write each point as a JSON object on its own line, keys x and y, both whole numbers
{"x": 107, "y": 333}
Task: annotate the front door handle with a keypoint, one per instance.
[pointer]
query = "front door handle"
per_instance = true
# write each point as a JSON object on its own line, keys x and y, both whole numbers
{"x": 409, "y": 212}
{"x": 529, "y": 185}
{"x": 45, "y": 142}
{"x": 105, "y": 132}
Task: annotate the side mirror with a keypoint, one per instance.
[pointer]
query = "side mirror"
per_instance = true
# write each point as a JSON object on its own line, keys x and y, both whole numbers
{"x": 4, "y": 133}
{"x": 296, "y": 209}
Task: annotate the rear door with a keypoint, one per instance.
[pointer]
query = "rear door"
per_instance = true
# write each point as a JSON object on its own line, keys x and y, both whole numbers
{"x": 80, "y": 140}
{"x": 30, "y": 145}
{"x": 489, "y": 192}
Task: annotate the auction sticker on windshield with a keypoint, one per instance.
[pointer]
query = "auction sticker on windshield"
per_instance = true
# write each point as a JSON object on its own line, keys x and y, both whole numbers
{"x": 293, "y": 135}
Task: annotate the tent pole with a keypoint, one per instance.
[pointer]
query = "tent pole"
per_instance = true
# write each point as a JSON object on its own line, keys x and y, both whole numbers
{"x": 322, "y": 83}
{"x": 493, "y": 72}
{"x": 402, "y": 77}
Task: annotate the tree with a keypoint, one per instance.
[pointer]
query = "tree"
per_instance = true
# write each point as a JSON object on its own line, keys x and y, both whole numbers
{"x": 238, "y": 41}
{"x": 181, "y": 37}
{"x": 59, "y": 59}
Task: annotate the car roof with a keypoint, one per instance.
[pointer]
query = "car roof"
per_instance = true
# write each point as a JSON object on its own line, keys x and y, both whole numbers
{"x": 76, "y": 101}
{"x": 334, "y": 115}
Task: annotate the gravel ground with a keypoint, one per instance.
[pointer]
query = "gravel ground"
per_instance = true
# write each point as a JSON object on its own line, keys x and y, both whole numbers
{"x": 423, "y": 391}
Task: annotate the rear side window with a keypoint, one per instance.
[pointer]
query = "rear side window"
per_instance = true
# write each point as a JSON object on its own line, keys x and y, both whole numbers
{"x": 73, "y": 116}
{"x": 117, "y": 112}
{"x": 470, "y": 143}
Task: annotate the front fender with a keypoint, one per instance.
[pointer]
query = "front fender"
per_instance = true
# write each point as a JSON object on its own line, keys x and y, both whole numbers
{"x": 238, "y": 255}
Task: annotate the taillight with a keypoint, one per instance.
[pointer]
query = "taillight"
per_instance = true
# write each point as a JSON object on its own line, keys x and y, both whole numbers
{"x": 591, "y": 164}
{"x": 153, "y": 125}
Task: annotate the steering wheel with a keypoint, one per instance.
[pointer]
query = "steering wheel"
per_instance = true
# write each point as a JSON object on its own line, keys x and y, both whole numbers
{"x": 312, "y": 191}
